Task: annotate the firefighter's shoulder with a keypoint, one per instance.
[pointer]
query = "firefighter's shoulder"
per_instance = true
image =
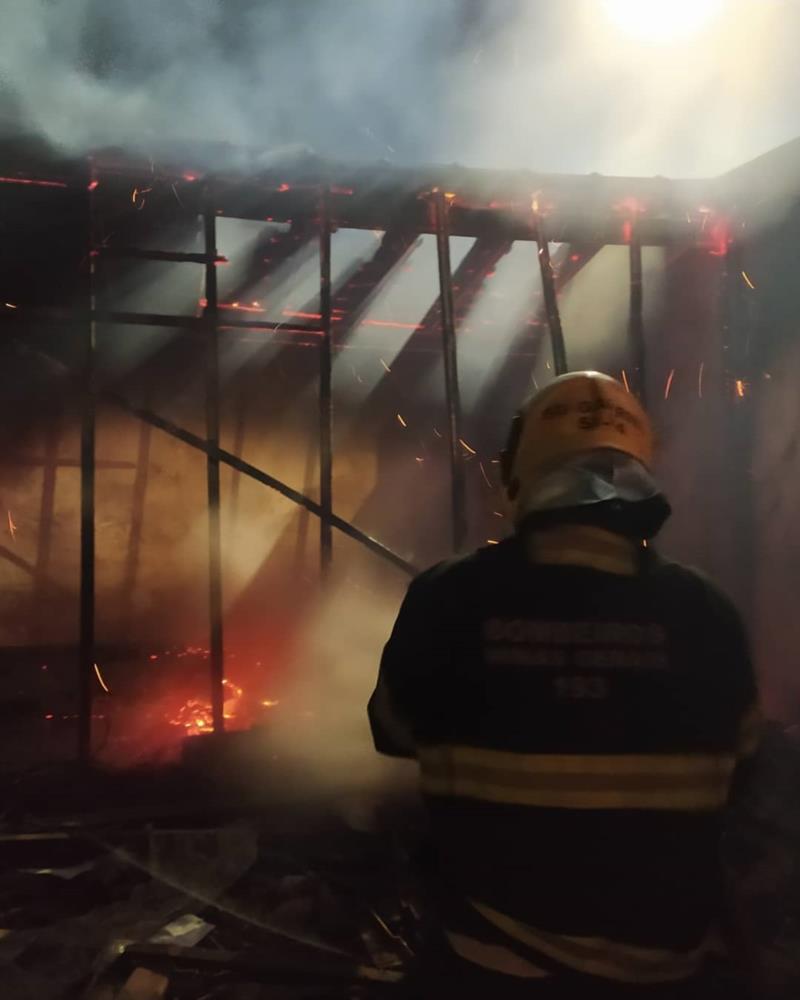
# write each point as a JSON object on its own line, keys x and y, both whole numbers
{"x": 697, "y": 588}
{"x": 463, "y": 571}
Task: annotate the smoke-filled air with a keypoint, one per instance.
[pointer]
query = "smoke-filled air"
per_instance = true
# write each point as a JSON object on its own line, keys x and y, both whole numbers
{"x": 613, "y": 86}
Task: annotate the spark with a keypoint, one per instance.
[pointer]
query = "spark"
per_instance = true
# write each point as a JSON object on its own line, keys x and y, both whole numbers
{"x": 464, "y": 444}
{"x": 437, "y": 433}
{"x": 450, "y": 195}
{"x": 700, "y": 379}
{"x": 9, "y": 305}
{"x": 625, "y": 380}
{"x": 418, "y": 459}
{"x": 668, "y": 386}
{"x": 99, "y": 676}
{"x": 485, "y": 477}
{"x": 190, "y": 177}
{"x": 285, "y": 187}
{"x": 739, "y": 388}
{"x": 497, "y": 513}
{"x": 492, "y": 541}
{"x": 269, "y": 704}
{"x": 136, "y": 195}
{"x": 388, "y": 369}
{"x": 12, "y": 528}
{"x": 747, "y": 280}
{"x": 93, "y": 185}
{"x": 401, "y": 421}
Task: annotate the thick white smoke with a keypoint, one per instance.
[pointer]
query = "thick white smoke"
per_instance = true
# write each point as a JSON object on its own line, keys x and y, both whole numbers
{"x": 540, "y": 85}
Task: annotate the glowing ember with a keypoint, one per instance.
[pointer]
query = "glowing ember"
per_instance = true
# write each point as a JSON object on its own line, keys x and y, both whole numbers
{"x": 194, "y": 716}
{"x": 30, "y": 180}
{"x": 747, "y": 280}
{"x": 93, "y": 185}
{"x": 668, "y": 386}
{"x": 492, "y": 541}
{"x": 625, "y": 380}
{"x": 720, "y": 238}
{"x": 296, "y": 314}
{"x": 740, "y": 388}
{"x": 269, "y": 704}
{"x": 401, "y": 421}
{"x": 12, "y": 528}
{"x": 254, "y": 308}
{"x": 390, "y": 324}
{"x": 9, "y": 305}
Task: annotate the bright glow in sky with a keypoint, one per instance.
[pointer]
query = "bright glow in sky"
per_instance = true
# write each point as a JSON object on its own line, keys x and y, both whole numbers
{"x": 661, "y": 21}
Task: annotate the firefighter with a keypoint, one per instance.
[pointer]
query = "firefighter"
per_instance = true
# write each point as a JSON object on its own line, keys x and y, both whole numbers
{"x": 578, "y": 706}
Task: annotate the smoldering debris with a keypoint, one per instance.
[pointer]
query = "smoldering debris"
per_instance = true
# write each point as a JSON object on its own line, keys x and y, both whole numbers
{"x": 192, "y": 912}
{"x": 237, "y": 901}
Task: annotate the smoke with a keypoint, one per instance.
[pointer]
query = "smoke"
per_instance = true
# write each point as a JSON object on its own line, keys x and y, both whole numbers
{"x": 320, "y": 730}
{"x": 546, "y": 86}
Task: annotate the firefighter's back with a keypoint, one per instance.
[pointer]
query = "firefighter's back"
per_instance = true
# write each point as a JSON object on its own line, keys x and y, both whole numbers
{"x": 578, "y": 729}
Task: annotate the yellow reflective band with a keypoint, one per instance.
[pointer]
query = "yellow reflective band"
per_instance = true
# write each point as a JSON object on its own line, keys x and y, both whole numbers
{"x": 690, "y": 782}
{"x": 494, "y": 957}
{"x": 750, "y": 731}
{"x": 598, "y": 956}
